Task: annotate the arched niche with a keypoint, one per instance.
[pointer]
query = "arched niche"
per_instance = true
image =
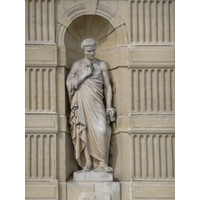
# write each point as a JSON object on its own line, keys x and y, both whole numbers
{"x": 92, "y": 26}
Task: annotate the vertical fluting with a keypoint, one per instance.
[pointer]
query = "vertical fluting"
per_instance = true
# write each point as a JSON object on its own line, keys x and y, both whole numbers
{"x": 158, "y": 88}
{"x": 135, "y": 155}
{"x": 144, "y": 5}
{"x": 140, "y": 21}
{"x": 160, "y": 21}
{"x": 173, "y": 21}
{"x": 43, "y": 88}
{"x": 30, "y": 88}
{"x": 161, "y": 90}
{"x": 146, "y": 21}
{"x": 51, "y": 156}
{"x": 157, "y": 157}
{"x": 172, "y": 73}
{"x": 140, "y": 154}
{"x": 48, "y": 19}
{"x": 138, "y": 157}
{"x": 145, "y": 89}
{"x": 136, "y": 90}
{"x": 41, "y": 156}
{"x": 163, "y": 8}
{"x": 169, "y": 158}
{"x": 51, "y": 88}
{"x": 37, "y": 88}
{"x": 31, "y": 156}
{"x": 163, "y": 156}
{"x": 154, "y": 156}
{"x": 44, "y": 156}
{"x": 167, "y": 152}
{"x": 144, "y": 163}
{"x": 27, "y": 156}
{"x": 167, "y": 90}
{"x": 148, "y": 89}
{"x": 151, "y": 158}
{"x": 36, "y": 155}
{"x": 32, "y": 15}
{"x": 33, "y": 88}
{"x": 153, "y": 21}
{"x": 44, "y": 20}
{"x": 38, "y": 20}
{"x": 154, "y": 90}
{"x": 166, "y": 17}
{"x": 47, "y": 157}
{"x": 133, "y": 89}
{"x": 46, "y": 91}
{"x": 173, "y": 155}
{"x": 26, "y": 20}
{"x": 132, "y": 168}
{"x": 27, "y": 89}
{"x": 135, "y": 22}
{"x": 148, "y": 157}
{"x": 50, "y": 23}
{"x": 142, "y": 90}
{"x": 29, "y": 20}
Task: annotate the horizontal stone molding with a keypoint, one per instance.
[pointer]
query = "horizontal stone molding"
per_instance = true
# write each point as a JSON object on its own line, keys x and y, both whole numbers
{"x": 153, "y": 190}
{"x": 41, "y": 55}
{"x": 41, "y": 123}
{"x": 145, "y": 124}
{"x": 154, "y": 65}
{"x": 151, "y": 54}
{"x": 152, "y": 121}
{"x": 43, "y": 190}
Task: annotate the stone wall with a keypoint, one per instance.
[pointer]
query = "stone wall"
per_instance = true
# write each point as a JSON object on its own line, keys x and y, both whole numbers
{"x": 136, "y": 39}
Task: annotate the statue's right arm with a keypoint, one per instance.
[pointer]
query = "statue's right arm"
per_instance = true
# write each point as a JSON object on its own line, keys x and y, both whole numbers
{"x": 77, "y": 76}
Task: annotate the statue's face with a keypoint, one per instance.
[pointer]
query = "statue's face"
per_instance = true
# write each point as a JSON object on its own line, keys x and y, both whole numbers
{"x": 90, "y": 52}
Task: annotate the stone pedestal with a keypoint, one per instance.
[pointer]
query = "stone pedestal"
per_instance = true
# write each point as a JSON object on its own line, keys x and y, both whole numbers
{"x": 93, "y": 190}
{"x": 92, "y": 176}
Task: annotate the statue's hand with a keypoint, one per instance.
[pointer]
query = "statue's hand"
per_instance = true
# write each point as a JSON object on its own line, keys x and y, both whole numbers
{"x": 111, "y": 113}
{"x": 89, "y": 70}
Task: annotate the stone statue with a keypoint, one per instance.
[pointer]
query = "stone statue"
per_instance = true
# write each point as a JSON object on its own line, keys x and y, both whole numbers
{"x": 87, "y": 84}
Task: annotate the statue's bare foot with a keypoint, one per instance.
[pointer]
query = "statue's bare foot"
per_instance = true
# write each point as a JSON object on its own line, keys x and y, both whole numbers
{"x": 105, "y": 167}
{"x": 87, "y": 166}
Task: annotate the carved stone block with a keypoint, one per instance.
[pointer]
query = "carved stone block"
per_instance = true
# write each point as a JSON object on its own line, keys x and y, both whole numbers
{"x": 93, "y": 175}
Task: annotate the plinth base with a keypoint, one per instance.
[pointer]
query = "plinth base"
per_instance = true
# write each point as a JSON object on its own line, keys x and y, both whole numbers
{"x": 92, "y": 176}
{"x": 93, "y": 190}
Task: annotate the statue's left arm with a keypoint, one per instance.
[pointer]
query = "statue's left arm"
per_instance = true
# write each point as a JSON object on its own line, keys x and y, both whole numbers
{"x": 107, "y": 91}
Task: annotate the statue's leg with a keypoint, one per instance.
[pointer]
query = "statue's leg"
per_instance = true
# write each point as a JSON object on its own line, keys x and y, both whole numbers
{"x": 88, "y": 164}
{"x": 107, "y": 136}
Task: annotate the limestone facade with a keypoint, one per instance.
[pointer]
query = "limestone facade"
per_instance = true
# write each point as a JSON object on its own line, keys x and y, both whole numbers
{"x": 137, "y": 40}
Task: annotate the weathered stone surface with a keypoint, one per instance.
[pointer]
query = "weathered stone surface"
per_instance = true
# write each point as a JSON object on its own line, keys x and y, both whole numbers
{"x": 98, "y": 190}
{"x": 94, "y": 196}
{"x": 92, "y": 176}
{"x": 136, "y": 39}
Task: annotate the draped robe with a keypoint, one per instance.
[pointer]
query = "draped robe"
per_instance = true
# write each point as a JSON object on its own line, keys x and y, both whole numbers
{"x": 88, "y": 116}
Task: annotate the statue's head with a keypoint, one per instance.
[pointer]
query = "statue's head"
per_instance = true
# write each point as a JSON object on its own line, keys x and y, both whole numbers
{"x": 89, "y": 48}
